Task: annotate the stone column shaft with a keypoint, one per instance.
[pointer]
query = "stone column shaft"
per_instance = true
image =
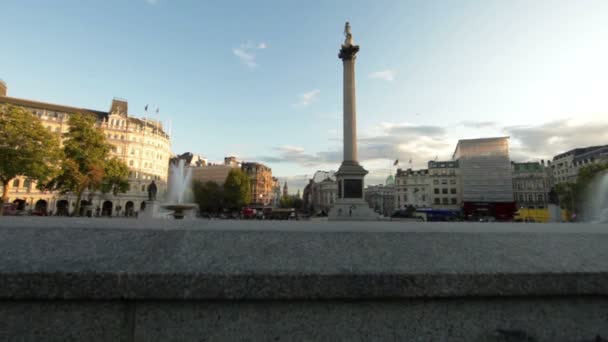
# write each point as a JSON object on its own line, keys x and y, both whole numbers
{"x": 349, "y": 111}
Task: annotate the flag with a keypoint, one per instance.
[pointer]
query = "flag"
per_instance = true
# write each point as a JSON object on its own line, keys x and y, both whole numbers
{"x": 146, "y": 109}
{"x": 396, "y": 162}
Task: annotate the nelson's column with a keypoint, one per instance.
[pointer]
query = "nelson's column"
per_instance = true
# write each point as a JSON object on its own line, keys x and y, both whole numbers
{"x": 350, "y": 204}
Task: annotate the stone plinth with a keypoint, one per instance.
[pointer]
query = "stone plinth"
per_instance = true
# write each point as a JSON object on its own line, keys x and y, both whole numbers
{"x": 124, "y": 280}
{"x": 151, "y": 210}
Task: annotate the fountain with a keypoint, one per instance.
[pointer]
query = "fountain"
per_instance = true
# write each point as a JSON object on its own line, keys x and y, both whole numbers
{"x": 179, "y": 183}
{"x": 598, "y": 199}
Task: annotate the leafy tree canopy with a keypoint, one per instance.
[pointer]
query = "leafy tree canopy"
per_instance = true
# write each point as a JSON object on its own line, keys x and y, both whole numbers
{"x": 208, "y": 196}
{"x": 237, "y": 189}
{"x": 26, "y": 148}
{"x": 86, "y": 163}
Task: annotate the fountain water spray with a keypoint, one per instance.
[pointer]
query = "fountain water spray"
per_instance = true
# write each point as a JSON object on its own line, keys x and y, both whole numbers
{"x": 179, "y": 189}
{"x": 180, "y": 177}
{"x": 598, "y": 199}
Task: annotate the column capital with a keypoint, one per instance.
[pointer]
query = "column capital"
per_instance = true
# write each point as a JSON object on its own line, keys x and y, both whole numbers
{"x": 348, "y": 52}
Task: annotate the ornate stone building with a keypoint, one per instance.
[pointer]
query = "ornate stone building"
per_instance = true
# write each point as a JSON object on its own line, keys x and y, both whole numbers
{"x": 321, "y": 192}
{"x": 532, "y": 182}
{"x": 381, "y": 198}
{"x": 141, "y": 143}
{"x": 446, "y": 185}
{"x": 566, "y": 165}
{"x": 262, "y": 183}
{"x": 412, "y": 187}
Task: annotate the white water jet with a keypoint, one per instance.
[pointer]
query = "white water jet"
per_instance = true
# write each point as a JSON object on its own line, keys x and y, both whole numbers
{"x": 180, "y": 177}
{"x": 598, "y": 199}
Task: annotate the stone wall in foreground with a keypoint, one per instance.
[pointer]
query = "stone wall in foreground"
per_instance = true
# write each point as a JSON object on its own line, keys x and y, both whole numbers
{"x": 213, "y": 282}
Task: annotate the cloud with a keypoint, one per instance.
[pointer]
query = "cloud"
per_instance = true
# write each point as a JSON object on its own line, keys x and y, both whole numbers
{"x": 478, "y": 124}
{"x": 422, "y": 143}
{"x": 246, "y": 52}
{"x": 385, "y": 75}
{"x": 307, "y": 98}
{"x": 546, "y": 140}
{"x": 246, "y": 58}
{"x": 393, "y": 141}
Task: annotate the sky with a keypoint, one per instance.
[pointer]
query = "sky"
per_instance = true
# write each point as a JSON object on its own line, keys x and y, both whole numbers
{"x": 261, "y": 80}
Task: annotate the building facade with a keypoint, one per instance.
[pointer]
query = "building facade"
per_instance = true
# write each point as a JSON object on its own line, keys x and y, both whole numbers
{"x": 532, "y": 182}
{"x": 260, "y": 177}
{"x": 412, "y": 187}
{"x": 446, "y": 185}
{"x": 487, "y": 177}
{"x": 320, "y": 193}
{"x": 566, "y": 165}
{"x": 381, "y": 198}
{"x": 141, "y": 143}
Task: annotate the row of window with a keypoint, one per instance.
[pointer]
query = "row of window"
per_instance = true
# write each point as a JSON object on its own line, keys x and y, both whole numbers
{"x": 453, "y": 191}
{"x": 531, "y": 197}
{"x": 539, "y": 184}
{"x": 446, "y": 201}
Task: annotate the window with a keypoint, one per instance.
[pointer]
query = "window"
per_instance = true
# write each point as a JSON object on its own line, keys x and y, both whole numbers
{"x": 444, "y": 181}
{"x": 445, "y": 200}
{"x": 16, "y": 183}
{"x": 130, "y": 163}
{"x": 436, "y": 181}
{"x": 444, "y": 190}
{"x": 453, "y": 191}
{"x": 530, "y": 198}
{"x": 437, "y": 201}
{"x": 453, "y": 201}
{"x": 453, "y": 181}
{"x": 540, "y": 198}
{"x": 143, "y": 188}
{"x": 437, "y": 191}
{"x": 405, "y": 198}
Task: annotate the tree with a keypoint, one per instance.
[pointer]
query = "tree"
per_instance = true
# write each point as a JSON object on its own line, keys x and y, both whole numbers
{"x": 26, "y": 148}
{"x": 288, "y": 202}
{"x": 115, "y": 178}
{"x": 208, "y": 196}
{"x": 86, "y": 163}
{"x": 237, "y": 190}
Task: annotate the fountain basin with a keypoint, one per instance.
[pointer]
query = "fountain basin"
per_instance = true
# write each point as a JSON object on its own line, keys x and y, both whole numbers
{"x": 179, "y": 209}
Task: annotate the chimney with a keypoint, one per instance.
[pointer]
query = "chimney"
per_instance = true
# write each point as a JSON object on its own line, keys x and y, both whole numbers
{"x": 3, "y": 88}
{"x": 542, "y": 162}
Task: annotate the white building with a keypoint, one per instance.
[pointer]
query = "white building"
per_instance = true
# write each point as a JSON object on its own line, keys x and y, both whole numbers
{"x": 412, "y": 187}
{"x": 446, "y": 185}
{"x": 141, "y": 143}
{"x": 566, "y": 165}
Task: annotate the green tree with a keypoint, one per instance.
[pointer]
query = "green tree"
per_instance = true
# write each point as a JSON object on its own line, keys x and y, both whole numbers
{"x": 208, "y": 196}
{"x": 237, "y": 189}
{"x": 286, "y": 202}
{"x": 86, "y": 160}
{"x": 26, "y": 148}
{"x": 115, "y": 178}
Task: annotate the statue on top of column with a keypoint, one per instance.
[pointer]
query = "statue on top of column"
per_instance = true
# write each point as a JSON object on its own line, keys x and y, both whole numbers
{"x": 347, "y": 34}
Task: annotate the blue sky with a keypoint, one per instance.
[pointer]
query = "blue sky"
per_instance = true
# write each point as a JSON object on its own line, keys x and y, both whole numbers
{"x": 262, "y": 80}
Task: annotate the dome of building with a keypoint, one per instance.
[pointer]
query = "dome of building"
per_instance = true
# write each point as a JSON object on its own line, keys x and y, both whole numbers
{"x": 390, "y": 180}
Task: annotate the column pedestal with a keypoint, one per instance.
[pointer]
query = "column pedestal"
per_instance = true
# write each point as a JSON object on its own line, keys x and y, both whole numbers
{"x": 151, "y": 210}
{"x": 350, "y": 204}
